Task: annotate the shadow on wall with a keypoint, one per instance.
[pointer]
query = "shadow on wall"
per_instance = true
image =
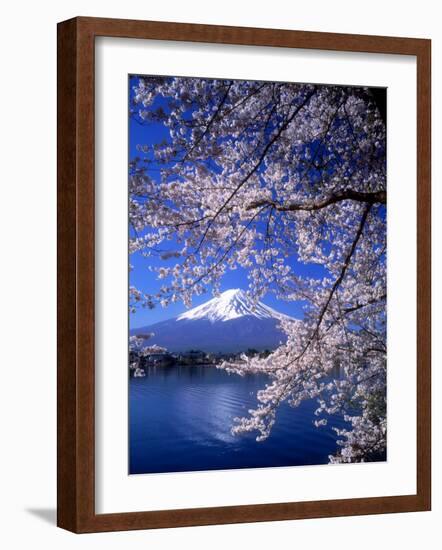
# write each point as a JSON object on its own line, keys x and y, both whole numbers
{"x": 48, "y": 515}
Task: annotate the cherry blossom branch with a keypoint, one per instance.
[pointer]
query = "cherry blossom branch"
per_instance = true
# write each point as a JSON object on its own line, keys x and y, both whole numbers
{"x": 336, "y": 284}
{"x": 258, "y": 163}
{"x": 209, "y": 124}
{"x": 370, "y": 198}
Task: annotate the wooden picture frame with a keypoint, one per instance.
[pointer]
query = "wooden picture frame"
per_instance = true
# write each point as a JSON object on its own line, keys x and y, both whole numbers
{"x": 76, "y": 432}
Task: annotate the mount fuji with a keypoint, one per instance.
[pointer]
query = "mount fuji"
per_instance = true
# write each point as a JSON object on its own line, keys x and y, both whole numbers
{"x": 229, "y": 323}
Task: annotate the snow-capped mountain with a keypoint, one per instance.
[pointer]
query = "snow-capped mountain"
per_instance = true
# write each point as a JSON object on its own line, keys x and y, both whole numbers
{"x": 228, "y": 323}
{"x": 231, "y": 304}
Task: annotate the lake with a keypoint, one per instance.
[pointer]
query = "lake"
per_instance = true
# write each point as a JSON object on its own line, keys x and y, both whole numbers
{"x": 180, "y": 420}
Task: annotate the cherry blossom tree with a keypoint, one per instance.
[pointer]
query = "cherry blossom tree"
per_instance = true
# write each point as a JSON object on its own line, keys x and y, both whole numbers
{"x": 264, "y": 176}
{"x": 138, "y": 350}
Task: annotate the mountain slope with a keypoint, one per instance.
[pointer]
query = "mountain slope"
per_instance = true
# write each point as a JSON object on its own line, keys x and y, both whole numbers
{"x": 231, "y": 304}
{"x": 226, "y": 324}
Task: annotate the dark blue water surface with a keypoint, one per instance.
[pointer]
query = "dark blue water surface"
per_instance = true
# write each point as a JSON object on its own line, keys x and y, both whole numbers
{"x": 180, "y": 420}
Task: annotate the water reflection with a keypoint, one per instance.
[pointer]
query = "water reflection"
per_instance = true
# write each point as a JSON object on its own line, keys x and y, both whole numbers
{"x": 180, "y": 420}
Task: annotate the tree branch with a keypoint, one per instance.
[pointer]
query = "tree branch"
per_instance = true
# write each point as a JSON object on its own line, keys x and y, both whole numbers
{"x": 348, "y": 194}
{"x": 344, "y": 266}
{"x": 209, "y": 124}
{"x": 258, "y": 163}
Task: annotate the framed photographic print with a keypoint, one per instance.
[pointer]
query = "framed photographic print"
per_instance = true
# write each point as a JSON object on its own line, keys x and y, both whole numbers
{"x": 244, "y": 274}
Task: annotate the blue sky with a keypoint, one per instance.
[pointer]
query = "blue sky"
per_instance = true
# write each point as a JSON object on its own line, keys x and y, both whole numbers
{"x": 144, "y": 279}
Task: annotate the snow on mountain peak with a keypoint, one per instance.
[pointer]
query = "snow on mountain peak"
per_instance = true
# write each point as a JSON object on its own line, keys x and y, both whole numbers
{"x": 231, "y": 304}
